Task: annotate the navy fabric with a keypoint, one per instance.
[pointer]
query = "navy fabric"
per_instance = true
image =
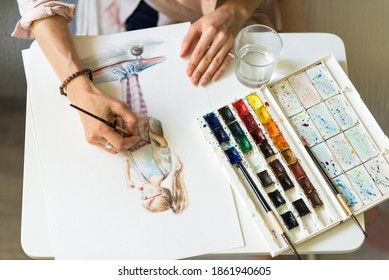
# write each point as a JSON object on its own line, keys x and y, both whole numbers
{"x": 143, "y": 17}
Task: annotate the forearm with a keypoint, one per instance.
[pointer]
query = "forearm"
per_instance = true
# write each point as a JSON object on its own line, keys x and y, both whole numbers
{"x": 56, "y": 42}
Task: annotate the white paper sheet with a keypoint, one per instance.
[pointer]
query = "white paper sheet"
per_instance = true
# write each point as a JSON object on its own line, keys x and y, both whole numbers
{"x": 92, "y": 214}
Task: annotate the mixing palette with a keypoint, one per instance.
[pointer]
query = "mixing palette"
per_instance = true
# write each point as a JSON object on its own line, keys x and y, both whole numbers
{"x": 326, "y": 122}
{"x": 268, "y": 131}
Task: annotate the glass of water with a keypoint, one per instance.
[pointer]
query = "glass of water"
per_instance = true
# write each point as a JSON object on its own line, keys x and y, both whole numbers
{"x": 257, "y": 50}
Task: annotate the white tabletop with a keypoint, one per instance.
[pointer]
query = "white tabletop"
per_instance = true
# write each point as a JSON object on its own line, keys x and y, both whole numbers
{"x": 300, "y": 49}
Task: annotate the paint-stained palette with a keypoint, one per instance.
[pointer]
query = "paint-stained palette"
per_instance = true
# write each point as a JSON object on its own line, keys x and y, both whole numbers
{"x": 326, "y": 122}
{"x": 269, "y": 128}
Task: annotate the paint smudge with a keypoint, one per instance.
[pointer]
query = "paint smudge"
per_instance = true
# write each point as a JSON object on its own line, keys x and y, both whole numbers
{"x": 327, "y": 160}
{"x": 363, "y": 184}
{"x": 379, "y": 172}
{"x": 344, "y": 186}
{"x": 343, "y": 152}
{"x": 323, "y": 120}
{"x": 322, "y": 81}
{"x": 341, "y": 112}
{"x": 287, "y": 98}
{"x": 307, "y": 130}
{"x": 304, "y": 89}
{"x": 361, "y": 143}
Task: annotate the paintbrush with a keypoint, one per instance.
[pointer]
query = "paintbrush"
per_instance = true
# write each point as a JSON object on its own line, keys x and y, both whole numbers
{"x": 335, "y": 190}
{"x": 236, "y": 160}
{"x": 102, "y": 120}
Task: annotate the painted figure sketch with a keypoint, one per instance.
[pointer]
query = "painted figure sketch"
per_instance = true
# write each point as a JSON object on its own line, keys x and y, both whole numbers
{"x": 151, "y": 166}
{"x": 157, "y": 173}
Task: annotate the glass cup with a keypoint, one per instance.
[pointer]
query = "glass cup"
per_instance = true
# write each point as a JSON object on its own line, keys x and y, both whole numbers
{"x": 257, "y": 50}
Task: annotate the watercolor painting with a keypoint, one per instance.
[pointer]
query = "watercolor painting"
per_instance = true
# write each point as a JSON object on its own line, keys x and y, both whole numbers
{"x": 152, "y": 167}
{"x": 148, "y": 170}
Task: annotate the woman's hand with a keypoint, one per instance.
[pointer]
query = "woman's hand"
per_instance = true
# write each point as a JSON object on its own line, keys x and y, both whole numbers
{"x": 53, "y": 35}
{"x": 82, "y": 93}
{"x": 211, "y": 38}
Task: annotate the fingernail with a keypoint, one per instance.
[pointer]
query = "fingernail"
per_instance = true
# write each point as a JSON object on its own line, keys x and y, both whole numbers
{"x": 195, "y": 80}
{"x": 203, "y": 82}
{"x": 215, "y": 78}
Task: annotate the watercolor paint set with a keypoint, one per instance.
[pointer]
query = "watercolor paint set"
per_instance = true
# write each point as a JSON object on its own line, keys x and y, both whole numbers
{"x": 265, "y": 141}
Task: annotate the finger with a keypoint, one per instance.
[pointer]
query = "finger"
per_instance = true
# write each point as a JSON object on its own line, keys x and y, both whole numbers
{"x": 109, "y": 150}
{"x": 201, "y": 48}
{"x": 211, "y": 63}
{"x": 119, "y": 143}
{"x": 201, "y": 64}
{"x": 103, "y": 144}
{"x": 219, "y": 72}
{"x": 190, "y": 39}
{"x": 121, "y": 110}
{"x": 210, "y": 69}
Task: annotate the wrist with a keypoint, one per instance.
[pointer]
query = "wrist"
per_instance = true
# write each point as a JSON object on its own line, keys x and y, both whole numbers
{"x": 79, "y": 87}
{"x": 242, "y": 8}
{"x": 75, "y": 76}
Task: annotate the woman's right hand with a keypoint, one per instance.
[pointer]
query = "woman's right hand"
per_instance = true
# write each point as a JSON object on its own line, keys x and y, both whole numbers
{"x": 83, "y": 93}
{"x": 53, "y": 36}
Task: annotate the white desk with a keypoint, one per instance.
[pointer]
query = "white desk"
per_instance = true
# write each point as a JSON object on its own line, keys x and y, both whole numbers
{"x": 300, "y": 49}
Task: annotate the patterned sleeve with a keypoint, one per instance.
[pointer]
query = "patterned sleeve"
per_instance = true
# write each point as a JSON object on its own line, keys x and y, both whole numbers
{"x": 31, "y": 10}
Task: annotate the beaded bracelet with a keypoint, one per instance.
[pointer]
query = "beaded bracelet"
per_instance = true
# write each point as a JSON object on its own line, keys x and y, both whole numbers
{"x": 86, "y": 71}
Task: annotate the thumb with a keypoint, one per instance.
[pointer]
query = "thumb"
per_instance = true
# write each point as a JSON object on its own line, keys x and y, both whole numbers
{"x": 127, "y": 117}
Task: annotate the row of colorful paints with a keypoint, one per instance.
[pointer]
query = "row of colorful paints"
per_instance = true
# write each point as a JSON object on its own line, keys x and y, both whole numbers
{"x": 327, "y": 124}
{"x": 240, "y": 138}
{"x": 287, "y": 205}
{"x": 278, "y": 170}
{"x": 287, "y": 154}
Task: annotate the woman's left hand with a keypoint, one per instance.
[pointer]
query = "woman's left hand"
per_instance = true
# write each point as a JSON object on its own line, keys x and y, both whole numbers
{"x": 209, "y": 40}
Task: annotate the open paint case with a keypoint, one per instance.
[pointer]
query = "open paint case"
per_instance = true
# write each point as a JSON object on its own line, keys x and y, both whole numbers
{"x": 266, "y": 133}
